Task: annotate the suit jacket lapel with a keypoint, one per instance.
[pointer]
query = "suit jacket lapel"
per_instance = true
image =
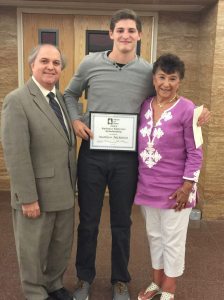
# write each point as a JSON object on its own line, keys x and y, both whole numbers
{"x": 41, "y": 102}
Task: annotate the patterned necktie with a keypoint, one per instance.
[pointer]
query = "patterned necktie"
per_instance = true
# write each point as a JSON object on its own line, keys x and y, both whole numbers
{"x": 56, "y": 108}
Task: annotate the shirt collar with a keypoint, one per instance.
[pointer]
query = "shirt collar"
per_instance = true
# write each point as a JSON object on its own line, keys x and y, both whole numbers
{"x": 43, "y": 90}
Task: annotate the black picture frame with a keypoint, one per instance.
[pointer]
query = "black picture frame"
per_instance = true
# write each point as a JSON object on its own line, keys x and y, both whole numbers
{"x": 99, "y": 40}
{"x": 48, "y": 36}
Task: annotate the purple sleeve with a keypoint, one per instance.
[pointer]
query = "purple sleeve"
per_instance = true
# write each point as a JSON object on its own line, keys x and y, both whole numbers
{"x": 194, "y": 156}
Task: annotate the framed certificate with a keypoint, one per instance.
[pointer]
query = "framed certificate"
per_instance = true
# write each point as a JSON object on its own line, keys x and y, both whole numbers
{"x": 113, "y": 131}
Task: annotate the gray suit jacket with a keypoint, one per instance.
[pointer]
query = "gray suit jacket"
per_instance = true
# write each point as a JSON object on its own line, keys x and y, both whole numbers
{"x": 39, "y": 157}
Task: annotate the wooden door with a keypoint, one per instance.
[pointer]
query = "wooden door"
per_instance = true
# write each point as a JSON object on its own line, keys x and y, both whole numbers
{"x": 72, "y": 39}
{"x": 83, "y": 23}
{"x": 32, "y": 23}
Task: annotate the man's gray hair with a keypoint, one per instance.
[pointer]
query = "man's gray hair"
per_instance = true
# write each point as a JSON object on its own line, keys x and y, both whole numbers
{"x": 34, "y": 52}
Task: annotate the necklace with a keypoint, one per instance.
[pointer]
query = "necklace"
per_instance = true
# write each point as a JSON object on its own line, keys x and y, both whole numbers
{"x": 169, "y": 101}
{"x": 119, "y": 66}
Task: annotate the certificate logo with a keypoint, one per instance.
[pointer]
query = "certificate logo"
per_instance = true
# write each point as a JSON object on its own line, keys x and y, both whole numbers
{"x": 110, "y": 121}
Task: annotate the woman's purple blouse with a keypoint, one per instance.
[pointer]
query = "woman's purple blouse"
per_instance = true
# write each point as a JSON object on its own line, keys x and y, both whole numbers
{"x": 167, "y": 154}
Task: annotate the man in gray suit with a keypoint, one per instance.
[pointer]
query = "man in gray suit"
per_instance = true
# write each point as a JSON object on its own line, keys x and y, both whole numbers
{"x": 39, "y": 149}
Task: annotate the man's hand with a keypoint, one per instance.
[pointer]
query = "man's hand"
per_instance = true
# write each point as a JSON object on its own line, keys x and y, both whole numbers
{"x": 31, "y": 210}
{"x": 204, "y": 117}
{"x": 81, "y": 130}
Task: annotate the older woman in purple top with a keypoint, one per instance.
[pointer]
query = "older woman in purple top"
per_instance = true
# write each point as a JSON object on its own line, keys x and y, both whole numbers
{"x": 169, "y": 167}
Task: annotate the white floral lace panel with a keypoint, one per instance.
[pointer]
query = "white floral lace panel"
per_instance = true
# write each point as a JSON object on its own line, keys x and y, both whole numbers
{"x": 196, "y": 175}
{"x": 167, "y": 115}
{"x": 158, "y": 133}
{"x": 145, "y": 131}
{"x": 148, "y": 114}
{"x": 192, "y": 195}
{"x": 150, "y": 156}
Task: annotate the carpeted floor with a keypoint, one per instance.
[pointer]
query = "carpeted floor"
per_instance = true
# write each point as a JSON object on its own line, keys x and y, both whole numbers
{"x": 203, "y": 277}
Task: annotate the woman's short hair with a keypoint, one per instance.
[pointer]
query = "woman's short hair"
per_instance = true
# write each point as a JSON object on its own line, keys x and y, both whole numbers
{"x": 125, "y": 14}
{"x": 34, "y": 52}
{"x": 169, "y": 64}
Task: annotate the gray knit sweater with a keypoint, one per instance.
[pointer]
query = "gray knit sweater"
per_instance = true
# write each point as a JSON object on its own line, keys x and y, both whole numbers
{"x": 109, "y": 88}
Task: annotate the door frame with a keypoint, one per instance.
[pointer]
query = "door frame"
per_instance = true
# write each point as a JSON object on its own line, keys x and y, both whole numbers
{"x": 74, "y": 12}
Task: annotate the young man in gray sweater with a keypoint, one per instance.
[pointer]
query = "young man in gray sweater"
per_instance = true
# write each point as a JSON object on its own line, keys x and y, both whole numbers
{"x": 116, "y": 81}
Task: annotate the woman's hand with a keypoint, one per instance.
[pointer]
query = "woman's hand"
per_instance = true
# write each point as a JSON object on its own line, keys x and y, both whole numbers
{"x": 205, "y": 117}
{"x": 181, "y": 199}
{"x": 181, "y": 195}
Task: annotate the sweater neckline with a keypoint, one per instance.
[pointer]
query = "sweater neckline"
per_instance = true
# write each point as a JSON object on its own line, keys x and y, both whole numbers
{"x": 118, "y": 65}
